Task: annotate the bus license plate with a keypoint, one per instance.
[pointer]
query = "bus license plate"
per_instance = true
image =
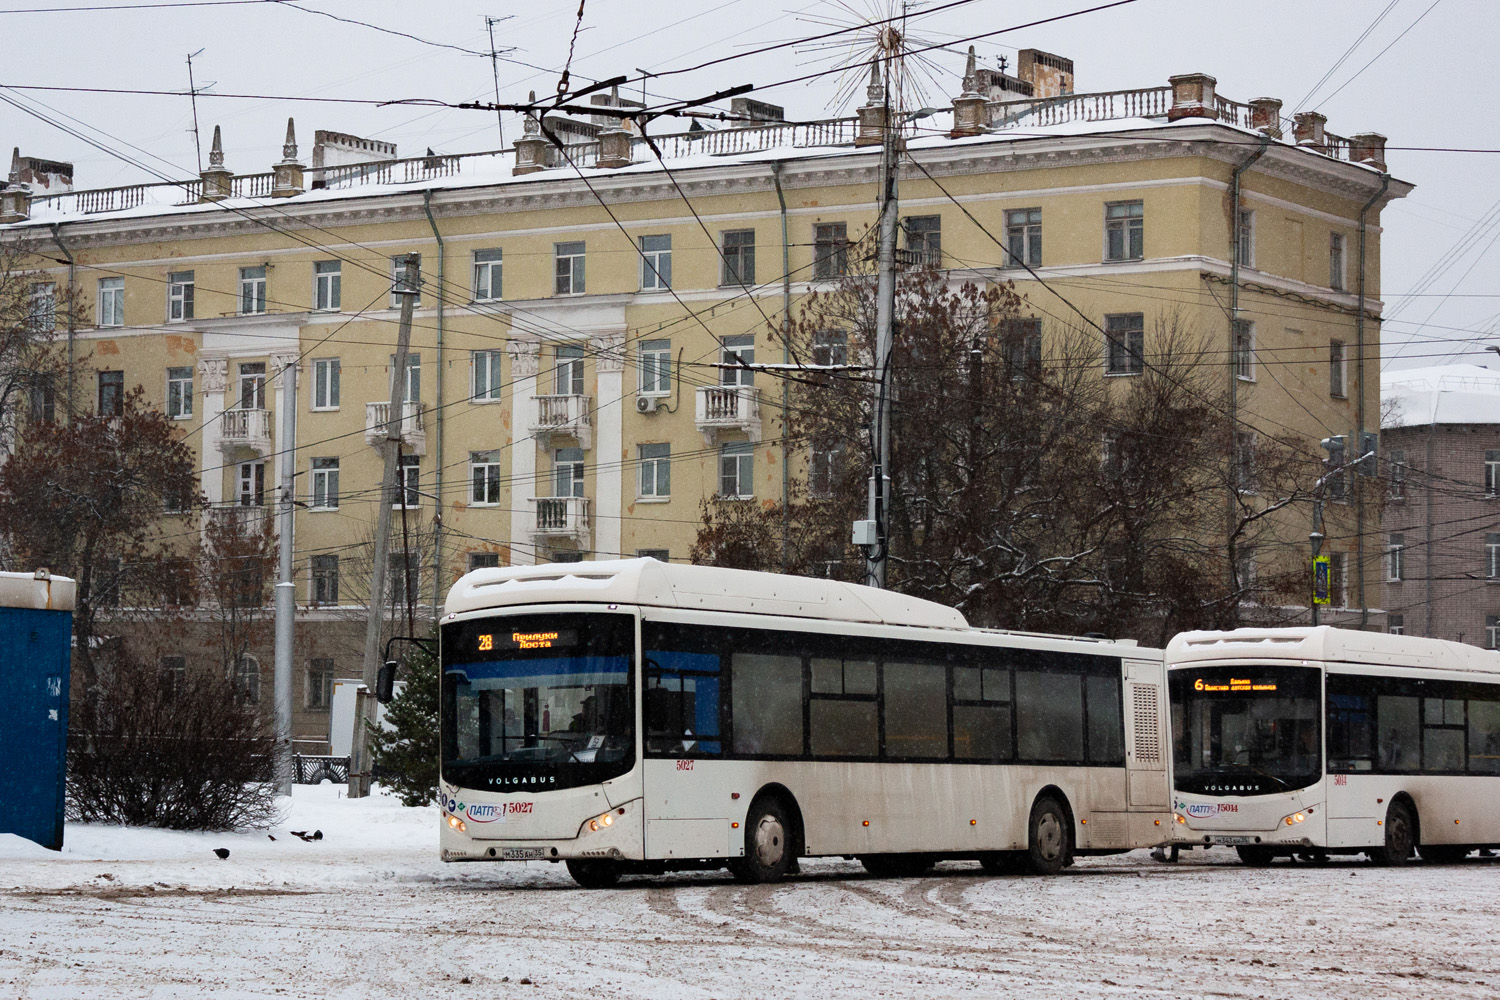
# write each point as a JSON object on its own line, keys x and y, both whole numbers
{"x": 1232, "y": 841}
{"x": 523, "y": 853}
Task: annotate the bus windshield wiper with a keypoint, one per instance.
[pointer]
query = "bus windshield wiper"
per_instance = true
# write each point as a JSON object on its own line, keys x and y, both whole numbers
{"x": 1257, "y": 770}
{"x": 567, "y": 744}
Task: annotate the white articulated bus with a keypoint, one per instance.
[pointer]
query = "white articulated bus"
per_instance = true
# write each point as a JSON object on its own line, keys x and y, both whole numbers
{"x": 633, "y": 716}
{"x": 1318, "y": 741}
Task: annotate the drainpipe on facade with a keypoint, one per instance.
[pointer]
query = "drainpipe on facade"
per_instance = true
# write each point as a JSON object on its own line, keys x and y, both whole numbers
{"x": 72, "y": 309}
{"x": 786, "y": 359}
{"x": 1359, "y": 374}
{"x": 1232, "y": 501}
{"x": 437, "y": 482}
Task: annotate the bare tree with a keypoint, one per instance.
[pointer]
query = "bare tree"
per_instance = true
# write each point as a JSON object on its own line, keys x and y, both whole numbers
{"x": 33, "y": 358}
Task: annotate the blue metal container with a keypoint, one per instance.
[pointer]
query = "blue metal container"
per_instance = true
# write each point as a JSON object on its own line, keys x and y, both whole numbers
{"x": 36, "y": 629}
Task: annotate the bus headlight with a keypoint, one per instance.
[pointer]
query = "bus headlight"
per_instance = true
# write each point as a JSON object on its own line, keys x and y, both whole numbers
{"x": 1181, "y": 818}
{"x": 457, "y": 824}
{"x": 599, "y": 822}
{"x": 1293, "y": 819}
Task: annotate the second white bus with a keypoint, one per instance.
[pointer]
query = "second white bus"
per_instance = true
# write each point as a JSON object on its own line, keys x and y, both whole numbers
{"x": 632, "y": 716}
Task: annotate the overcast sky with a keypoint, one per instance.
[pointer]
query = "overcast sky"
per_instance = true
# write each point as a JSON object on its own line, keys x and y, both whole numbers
{"x": 1435, "y": 86}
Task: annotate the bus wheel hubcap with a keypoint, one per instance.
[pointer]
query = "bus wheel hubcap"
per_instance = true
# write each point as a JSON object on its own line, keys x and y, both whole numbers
{"x": 770, "y": 841}
{"x": 1049, "y": 836}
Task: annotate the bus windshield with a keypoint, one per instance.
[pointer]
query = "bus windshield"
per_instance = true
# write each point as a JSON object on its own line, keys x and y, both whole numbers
{"x": 535, "y": 702}
{"x": 1245, "y": 730}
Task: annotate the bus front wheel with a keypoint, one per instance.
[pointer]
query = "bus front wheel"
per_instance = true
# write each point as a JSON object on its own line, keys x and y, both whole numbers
{"x": 594, "y": 874}
{"x": 1400, "y": 837}
{"x": 1050, "y": 841}
{"x": 768, "y": 850}
{"x": 1255, "y": 857}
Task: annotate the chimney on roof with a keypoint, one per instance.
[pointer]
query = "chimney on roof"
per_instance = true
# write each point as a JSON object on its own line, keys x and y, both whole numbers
{"x": 531, "y": 148}
{"x": 1265, "y": 116}
{"x": 1049, "y": 75}
{"x": 289, "y": 176}
{"x": 1193, "y": 97}
{"x": 969, "y": 117}
{"x": 1369, "y": 148}
{"x": 872, "y": 114}
{"x": 218, "y": 182}
{"x": 1308, "y": 130}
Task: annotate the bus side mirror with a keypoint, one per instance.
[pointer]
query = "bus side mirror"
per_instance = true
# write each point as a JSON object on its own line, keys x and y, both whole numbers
{"x": 385, "y": 683}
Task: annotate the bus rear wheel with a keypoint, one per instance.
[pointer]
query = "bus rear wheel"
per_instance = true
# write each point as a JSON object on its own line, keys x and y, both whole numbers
{"x": 1255, "y": 857}
{"x": 1400, "y": 837}
{"x": 592, "y": 873}
{"x": 1050, "y": 841}
{"x": 768, "y": 850}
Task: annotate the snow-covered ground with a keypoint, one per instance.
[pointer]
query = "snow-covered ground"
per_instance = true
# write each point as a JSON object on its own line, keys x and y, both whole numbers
{"x": 369, "y": 911}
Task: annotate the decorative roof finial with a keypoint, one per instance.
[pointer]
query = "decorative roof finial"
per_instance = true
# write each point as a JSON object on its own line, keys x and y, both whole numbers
{"x": 15, "y": 165}
{"x": 289, "y": 148}
{"x": 216, "y": 154}
{"x": 971, "y": 73}
{"x": 875, "y": 92}
{"x": 531, "y": 126}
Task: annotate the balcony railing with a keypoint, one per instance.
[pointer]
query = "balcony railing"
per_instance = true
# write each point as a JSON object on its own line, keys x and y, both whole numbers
{"x": 413, "y": 429}
{"x": 561, "y": 517}
{"x": 249, "y": 429}
{"x": 569, "y": 415}
{"x": 728, "y": 408}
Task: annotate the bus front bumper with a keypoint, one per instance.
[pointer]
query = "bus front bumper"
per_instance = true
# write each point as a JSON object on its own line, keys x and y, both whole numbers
{"x": 615, "y": 834}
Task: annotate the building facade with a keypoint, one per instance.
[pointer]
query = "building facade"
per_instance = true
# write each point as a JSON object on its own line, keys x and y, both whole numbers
{"x": 1440, "y": 536}
{"x": 576, "y": 386}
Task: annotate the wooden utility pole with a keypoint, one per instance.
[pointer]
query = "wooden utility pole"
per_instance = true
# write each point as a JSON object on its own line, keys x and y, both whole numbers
{"x": 365, "y": 705}
{"x": 885, "y": 306}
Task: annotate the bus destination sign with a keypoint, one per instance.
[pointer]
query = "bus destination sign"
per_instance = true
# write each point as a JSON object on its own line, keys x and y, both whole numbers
{"x": 1235, "y": 685}
{"x": 553, "y": 639}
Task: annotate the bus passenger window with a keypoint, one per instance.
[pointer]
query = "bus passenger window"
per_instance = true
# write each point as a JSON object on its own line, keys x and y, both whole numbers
{"x": 767, "y": 704}
{"x": 916, "y": 710}
{"x": 981, "y": 714}
{"x": 680, "y": 703}
{"x": 841, "y": 715}
{"x": 1397, "y": 732}
{"x": 1106, "y": 723}
{"x": 1049, "y": 716}
{"x": 1443, "y": 734}
{"x": 1484, "y": 736}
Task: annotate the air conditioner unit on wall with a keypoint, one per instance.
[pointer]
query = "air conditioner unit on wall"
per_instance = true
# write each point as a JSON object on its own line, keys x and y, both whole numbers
{"x": 646, "y": 404}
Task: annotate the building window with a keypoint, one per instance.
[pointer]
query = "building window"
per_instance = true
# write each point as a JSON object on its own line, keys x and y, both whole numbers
{"x": 179, "y": 296}
{"x": 180, "y": 393}
{"x": 325, "y": 579}
{"x": 924, "y": 240}
{"x": 1246, "y": 236}
{"x": 569, "y": 269}
{"x": 320, "y": 685}
{"x": 111, "y": 301}
{"x": 403, "y": 569}
{"x": 1492, "y": 556}
{"x": 567, "y": 372}
{"x": 41, "y": 307}
{"x": 1244, "y": 569}
{"x": 1125, "y": 231}
{"x": 253, "y": 385}
{"x": 565, "y": 556}
{"x": 1492, "y": 631}
{"x": 484, "y": 478}
{"x": 1244, "y": 461}
{"x": 173, "y": 673}
{"x": 824, "y": 464}
{"x": 328, "y": 280}
{"x": 830, "y": 250}
{"x": 1338, "y": 579}
{"x": 656, "y": 471}
{"x": 44, "y": 403}
{"x": 739, "y": 257}
{"x": 1398, "y": 473}
{"x": 487, "y": 275}
{"x": 1244, "y": 350}
{"x": 398, "y": 280}
{"x": 660, "y": 555}
{"x": 1023, "y": 237}
{"x": 1022, "y": 346}
{"x": 567, "y": 472}
{"x": 483, "y": 560}
{"x": 325, "y": 484}
{"x": 1126, "y": 351}
{"x": 1337, "y": 383}
{"x": 326, "y": 373}
{"x": 111, "y": 394}
{"x": 252, "y": 290}
{"x": 1396, "y": 624}
{"x": 830, "y": 348}
{"x": 1336, "y": 261}
{"x": 1334, "y": 464}
{"x": 656, "y": 263}
{"x": 737, "y": 471}
{"x": 1395, "y": 569}
{"x": 487, "y": 381}
{"x": 247, "y": 680}
{"x": 735, "y": 354}
{"x": 409, "y": 482}
{"x": 413, "y": 376}
{"x": 251, "y": 491}
{"x": 1492, "y": 473}
{"x": 655, "y": 367}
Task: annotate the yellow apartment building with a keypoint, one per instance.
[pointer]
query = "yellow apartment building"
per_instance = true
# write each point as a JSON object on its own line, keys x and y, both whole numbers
{"x": 566, "y": 395}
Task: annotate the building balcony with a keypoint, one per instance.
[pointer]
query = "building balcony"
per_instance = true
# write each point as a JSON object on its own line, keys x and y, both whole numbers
{"x": 728, "y": 408}
{"x": 241, "y": 519}
{"x": 562, "y": 416}
{"x": 413, "y": 430}
{"x": 561, "y": 517}
{"x": 249, "y": 430}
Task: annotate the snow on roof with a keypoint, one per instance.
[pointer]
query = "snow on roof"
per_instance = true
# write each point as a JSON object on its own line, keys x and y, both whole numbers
{"x": 38, "y": 591}
{"x": 1444, "y": 394}
{"x": 1333, "y": 645}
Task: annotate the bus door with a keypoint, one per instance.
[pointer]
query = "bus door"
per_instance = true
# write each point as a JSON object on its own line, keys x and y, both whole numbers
{"x": 1146, "y": 737}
